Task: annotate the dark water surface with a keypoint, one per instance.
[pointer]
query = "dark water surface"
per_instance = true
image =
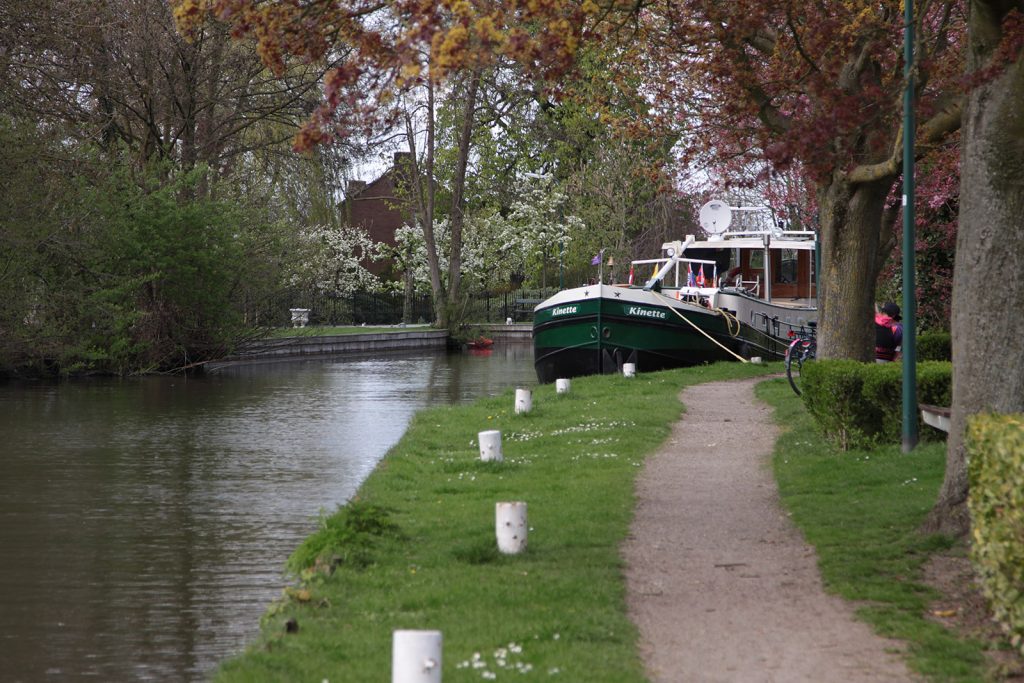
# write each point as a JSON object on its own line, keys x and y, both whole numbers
{"x": 144, "y": 523}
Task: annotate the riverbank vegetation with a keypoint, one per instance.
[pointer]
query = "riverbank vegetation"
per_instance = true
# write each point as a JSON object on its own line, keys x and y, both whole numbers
{"x": 149, "y": 202}
{"x": 416, "y": 548}
{"x": 121, "y": 276}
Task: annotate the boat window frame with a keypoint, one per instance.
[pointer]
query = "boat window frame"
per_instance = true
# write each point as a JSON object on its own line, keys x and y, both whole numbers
{"x": 779, "y": 269}
{"x": 756, "y": 257}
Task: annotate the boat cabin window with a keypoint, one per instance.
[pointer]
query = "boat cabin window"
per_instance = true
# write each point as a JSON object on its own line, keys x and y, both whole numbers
{"x": 757, "y": 260}
{"x": 784, "y": 267}
{"x": 792, "y": 273}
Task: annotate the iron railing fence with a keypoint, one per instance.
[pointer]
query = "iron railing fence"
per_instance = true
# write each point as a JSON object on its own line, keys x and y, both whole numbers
{"x": 499, "y": 307}
{"x": 357, "y": 308}
{"x": 374, "y": 308}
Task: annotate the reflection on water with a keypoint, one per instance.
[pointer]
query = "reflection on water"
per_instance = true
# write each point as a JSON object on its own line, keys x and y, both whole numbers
{"x": 144, "y": 523}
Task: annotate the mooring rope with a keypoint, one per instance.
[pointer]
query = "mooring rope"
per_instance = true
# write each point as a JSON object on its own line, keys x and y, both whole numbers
{"x": 727, "y": 317}
{"x": 729, "y": 320}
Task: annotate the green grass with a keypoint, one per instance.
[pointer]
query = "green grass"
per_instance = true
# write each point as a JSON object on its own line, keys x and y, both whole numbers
{"x": 328, "y": 331}
{"x": 417, "y": 547}
{"x": 862, "y": 511}
{"x": 417, "y": 550}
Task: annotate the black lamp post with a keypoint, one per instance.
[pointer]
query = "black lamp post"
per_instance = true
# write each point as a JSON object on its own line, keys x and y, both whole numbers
{"x": 909, "y": 288}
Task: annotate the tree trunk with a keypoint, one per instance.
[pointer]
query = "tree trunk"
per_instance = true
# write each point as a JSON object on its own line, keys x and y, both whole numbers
{"x": 424, "y": 187}
{"x": 988, "y": 280}
{"x": 458, "y": 194}
{"x": 850, "y": 224}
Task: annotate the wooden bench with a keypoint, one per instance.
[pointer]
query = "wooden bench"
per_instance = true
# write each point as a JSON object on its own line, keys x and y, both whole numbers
{"x": 935, "y": 416}
{"x": 523, "y": 308}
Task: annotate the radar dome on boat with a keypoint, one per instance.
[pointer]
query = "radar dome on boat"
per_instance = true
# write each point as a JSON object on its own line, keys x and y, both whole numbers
{"x": 715, "y": 216}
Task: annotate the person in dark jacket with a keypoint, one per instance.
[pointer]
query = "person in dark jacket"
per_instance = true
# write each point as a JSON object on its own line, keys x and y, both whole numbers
{"x": 888, "y": 332}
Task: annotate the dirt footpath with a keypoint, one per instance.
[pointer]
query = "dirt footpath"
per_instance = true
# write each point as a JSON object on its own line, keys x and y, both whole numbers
{"x": 719, "y": 582}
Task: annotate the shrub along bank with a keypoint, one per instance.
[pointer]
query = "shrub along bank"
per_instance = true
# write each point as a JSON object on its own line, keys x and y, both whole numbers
{"x": 858, "y": 405}
{"x": 417, "y": 549}
{"x": 935, "y": 346}
{"x": 996, "y": 502}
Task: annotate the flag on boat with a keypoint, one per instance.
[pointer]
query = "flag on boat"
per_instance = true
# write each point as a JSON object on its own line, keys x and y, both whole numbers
{"x": 690, "y": 281}
{"x": 597, "y": 259}
{"x": 630, "y": 273}
{"x": 700, "y": 276}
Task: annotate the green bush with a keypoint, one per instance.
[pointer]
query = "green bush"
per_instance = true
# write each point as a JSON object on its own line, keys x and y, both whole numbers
{"x": 860, "y": 405}
{"x": 935, "y": 383}
{"x": 346, "y": 537}
{"x": 834, "y": 396}
{"x": 173, "y": 267}
{"x": 118, "y": 270}
{"x": 934, "y": 346}
{"x": 995, "y": 445}
{"x": 883, "y": 390}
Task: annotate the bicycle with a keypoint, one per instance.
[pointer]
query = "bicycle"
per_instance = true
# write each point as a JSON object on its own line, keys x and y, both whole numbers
{"x": 803, "y": 348}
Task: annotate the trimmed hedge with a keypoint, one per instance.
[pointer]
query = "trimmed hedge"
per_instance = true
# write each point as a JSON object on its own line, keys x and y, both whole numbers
{"x": 860, "y": 405}
{"x": 934, "y": 346}
{"x": 995, "y": 445}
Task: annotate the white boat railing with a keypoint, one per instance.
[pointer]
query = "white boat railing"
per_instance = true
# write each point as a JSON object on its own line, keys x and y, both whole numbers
{"x": 682, "y": 292}
{"x": 678, "y": 261}
{"x": 777, "y": 234}
{"x": 752, "y": 286}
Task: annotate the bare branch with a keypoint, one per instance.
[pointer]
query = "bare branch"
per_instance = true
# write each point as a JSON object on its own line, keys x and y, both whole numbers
{"x": 944, "y": 122}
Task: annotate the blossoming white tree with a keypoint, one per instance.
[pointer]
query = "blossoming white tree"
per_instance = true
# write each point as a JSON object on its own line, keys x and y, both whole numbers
{"x": 498, "y": 250}
{"x": 329, "y": 261}
{"x": 409, "y": 256}
{"x": 538, "y": 224}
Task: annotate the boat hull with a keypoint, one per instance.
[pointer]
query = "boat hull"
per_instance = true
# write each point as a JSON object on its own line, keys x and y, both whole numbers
{"x": 597, "y": 329}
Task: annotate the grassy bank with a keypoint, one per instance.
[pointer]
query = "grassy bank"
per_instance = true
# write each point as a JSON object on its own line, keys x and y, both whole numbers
{"x": 417, "y": 547}
{"x": 430, "y": 562}
{"x": 862, "y": 511}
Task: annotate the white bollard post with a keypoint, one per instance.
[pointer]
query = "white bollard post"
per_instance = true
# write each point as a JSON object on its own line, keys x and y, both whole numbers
{"x": 510, "y": 527}
{"x": 490, "y": 445}
{"x": 416, "y": 657}
{"x": 562, "y": 386}
{"x": 524, "y": 400}
{"x": 629, "y": 369}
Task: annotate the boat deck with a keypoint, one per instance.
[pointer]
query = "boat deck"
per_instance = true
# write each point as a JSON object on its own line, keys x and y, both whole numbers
{"x": 794, "y": 303}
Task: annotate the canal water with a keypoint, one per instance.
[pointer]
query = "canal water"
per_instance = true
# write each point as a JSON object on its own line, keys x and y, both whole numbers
{"x": 144, "y": 523}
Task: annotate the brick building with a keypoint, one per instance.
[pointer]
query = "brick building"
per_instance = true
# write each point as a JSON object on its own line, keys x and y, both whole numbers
{"x": 381, "y": 206}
